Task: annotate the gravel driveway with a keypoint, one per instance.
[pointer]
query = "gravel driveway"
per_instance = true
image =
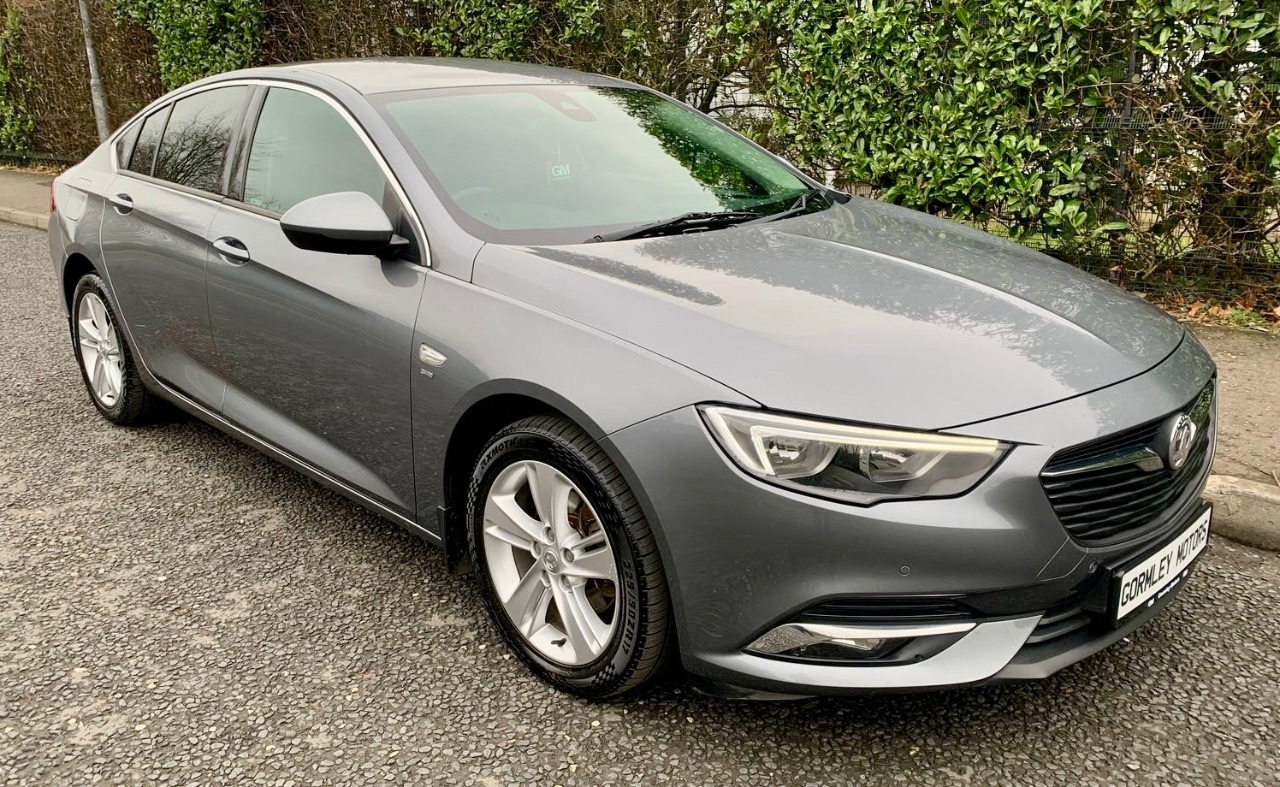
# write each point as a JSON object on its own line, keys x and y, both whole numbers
{"x": 175, "y": 608}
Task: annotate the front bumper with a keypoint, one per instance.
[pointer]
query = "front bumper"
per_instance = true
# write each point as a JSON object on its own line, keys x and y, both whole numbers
{"x": 743, "y": 557}
{"x": 1025, "y": 646}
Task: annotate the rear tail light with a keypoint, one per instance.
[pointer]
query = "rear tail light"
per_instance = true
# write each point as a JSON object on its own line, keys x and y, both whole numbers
{"x": 53, "y": 199}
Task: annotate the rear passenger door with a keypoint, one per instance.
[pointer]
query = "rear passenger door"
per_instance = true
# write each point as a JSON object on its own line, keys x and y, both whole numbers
{"x": 154, "y": 233}
{"x": 316, "y": 347}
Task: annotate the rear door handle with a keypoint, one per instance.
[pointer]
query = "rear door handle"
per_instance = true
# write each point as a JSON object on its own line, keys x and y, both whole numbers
{"x": 231, "y": 249}
{"x": 123, "y": 203}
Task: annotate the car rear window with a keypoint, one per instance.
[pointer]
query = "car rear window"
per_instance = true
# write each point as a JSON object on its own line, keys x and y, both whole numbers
{"x": 144, "y": 150}
{"x": 194, "y": 148}
{"x": 124, "y": 142}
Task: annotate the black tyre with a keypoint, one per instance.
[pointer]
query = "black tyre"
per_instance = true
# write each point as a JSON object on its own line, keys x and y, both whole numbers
{"x": 566, "y": 562}
{"x": 105, "y": 359}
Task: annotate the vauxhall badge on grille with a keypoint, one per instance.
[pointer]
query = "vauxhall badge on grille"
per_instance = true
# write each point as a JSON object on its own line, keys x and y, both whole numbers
{"x": 1178, "y": 435}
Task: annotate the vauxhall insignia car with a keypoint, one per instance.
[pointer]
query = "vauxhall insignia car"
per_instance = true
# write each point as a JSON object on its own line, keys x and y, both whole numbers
{"x": 671, "y": 400}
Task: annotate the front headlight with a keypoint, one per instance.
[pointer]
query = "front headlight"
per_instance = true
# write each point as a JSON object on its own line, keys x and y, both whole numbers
{"x": 854, "y": 463}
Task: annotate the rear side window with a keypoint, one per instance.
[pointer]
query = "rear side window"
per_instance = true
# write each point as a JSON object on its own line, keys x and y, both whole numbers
{"x": 124, "y": 143}
{"x": 303, "y": 148}
{"x": 144, "y": 150}
{"x": 196, "y": 138}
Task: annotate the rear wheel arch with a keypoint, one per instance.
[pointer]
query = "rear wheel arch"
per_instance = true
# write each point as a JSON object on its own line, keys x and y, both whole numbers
{"x": 121, "y": 395}
{"x": 74, "y": 269}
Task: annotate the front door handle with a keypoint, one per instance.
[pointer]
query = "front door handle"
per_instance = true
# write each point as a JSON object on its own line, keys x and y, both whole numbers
{"x": 123, "y": 203}
{"x": 231, "y": 249}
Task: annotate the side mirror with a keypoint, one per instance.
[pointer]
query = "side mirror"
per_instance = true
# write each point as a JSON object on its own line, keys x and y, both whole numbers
{"x": 345, "y": 222}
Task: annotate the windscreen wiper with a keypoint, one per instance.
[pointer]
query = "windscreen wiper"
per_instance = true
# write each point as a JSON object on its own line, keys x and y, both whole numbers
{"x": 678, "y": 224}
{"x": 801, "y": 205}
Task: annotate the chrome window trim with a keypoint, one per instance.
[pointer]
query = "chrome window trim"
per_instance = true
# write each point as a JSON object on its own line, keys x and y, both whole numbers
{"x": 342, "y": 111}
{"x": 176, "y": 188}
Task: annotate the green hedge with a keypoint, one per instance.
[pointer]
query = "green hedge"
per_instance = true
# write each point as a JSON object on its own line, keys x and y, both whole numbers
{"x": 17, "y": 124}
{"x": 197, "y": 38}
{"x": 1050, "y": 118}
{"x": 1083, "y": 122}
{"x": 1131, "y": 133}
{"x": 1140, "y": 138}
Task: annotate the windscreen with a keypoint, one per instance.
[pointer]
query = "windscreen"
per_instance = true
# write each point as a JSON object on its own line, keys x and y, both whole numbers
{"x": 558, "y": 164}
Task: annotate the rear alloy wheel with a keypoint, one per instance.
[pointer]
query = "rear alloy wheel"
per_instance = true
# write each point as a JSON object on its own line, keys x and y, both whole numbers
{"x": 106, "y": 362}
{"x": 100, "y": 352}
{"x": 566, "y": 561}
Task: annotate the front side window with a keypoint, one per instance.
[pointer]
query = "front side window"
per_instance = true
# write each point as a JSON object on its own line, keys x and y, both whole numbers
{"x": 194, "y": 148}
{"x": 144, "y": 150}
{"x": 559, "y": 163}
{"x": 303, "y": 148}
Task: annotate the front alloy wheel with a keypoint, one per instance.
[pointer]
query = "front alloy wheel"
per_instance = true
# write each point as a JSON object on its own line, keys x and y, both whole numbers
{"x": 550, "y": 563}
{"x": 566, "y": 561}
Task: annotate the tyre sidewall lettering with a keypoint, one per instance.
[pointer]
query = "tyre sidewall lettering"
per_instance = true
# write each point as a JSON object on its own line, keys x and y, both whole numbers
{"x": 521, "y": 446}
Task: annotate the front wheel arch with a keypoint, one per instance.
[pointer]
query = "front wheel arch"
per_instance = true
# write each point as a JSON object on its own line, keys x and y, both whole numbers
{"x": 471, "y": 432}
{"x": 645, "y": 638}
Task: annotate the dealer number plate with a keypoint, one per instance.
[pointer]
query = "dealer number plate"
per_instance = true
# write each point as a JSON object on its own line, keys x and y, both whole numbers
{"x": 1148, "y": 581}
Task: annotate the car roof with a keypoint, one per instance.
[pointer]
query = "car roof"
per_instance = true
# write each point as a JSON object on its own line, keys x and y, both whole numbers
{"x": 391, "y": 74}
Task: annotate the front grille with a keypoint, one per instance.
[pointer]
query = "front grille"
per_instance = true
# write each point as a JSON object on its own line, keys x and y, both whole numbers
{"x": 1060, "y": 622}
{"x": 1119, "y": 487}
{"x": 851, "y": 610}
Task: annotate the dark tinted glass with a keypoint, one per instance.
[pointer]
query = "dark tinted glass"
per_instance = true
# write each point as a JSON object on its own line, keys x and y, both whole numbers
{"x": 124, "y": 143}
{"x": 197, "y": 137}
{"x": 144, "y": 150}
{"x": 303, "y": 148}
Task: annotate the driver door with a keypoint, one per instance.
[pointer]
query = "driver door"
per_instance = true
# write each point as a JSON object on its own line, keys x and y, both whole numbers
{"x": 316, "y": 348}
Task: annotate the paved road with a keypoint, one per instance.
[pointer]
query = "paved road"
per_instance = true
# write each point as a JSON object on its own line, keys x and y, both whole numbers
{"x": 176, "y": 608}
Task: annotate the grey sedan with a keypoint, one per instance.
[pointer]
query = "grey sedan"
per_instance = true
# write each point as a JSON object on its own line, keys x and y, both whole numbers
{"x": 671, "y": 400}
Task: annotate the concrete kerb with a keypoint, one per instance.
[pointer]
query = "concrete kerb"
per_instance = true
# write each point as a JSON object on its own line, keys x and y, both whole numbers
{"x": 25, "y": 218}
{"x": 1244, "y": 511}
